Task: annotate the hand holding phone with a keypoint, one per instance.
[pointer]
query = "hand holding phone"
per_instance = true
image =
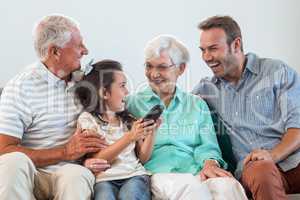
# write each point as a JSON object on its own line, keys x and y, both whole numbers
{"x": 154, "y": 113}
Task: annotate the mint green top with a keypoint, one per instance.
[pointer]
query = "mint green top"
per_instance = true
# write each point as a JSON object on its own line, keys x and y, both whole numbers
{"x": 186, "y": 137}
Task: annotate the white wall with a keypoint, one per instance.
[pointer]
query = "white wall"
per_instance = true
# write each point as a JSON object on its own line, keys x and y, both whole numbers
{"x": 120, "y": 29}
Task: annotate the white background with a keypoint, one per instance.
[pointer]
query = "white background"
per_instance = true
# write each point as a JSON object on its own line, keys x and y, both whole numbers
{"x": 120, "y": 29}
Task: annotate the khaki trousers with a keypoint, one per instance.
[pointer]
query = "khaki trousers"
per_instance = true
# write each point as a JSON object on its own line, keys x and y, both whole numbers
{"x": 20, "y": 180}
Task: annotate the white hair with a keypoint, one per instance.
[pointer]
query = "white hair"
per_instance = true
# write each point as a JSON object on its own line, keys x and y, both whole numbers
{"x": 55, "y": 30}
{"x": 167, "y": 43}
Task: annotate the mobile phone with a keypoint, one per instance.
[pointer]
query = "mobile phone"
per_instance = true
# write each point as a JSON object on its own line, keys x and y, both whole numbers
{"x": 154, "y": 113}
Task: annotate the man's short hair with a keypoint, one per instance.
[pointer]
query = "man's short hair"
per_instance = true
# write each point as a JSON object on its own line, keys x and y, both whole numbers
{"x": 55, "y": 30}
{"x": 226, "y": 23}
{"x": 175, "y": 49}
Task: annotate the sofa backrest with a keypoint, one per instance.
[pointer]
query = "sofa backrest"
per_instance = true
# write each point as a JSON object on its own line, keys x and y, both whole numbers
{"x": 224, "y": 143}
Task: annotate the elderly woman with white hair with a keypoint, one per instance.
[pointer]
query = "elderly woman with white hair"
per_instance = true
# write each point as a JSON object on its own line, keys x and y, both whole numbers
{"x": 186, "y": 161}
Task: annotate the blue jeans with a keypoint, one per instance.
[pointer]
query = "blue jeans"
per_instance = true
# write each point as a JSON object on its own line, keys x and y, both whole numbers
{"x": 134, "y": 188}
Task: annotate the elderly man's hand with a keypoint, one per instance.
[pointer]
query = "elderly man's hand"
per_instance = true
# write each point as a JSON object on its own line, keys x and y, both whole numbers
{"x": 212, "y": 170}
{"x": 258, "y": 154}
{"x": 96, "y": 165}
{"x": 83, "y": 142}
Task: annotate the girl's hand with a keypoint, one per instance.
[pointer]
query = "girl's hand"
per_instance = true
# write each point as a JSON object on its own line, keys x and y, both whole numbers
{"x": 96, "y": 165}
{"x": 141, "y": 129}
{"x": 157, "y": 125}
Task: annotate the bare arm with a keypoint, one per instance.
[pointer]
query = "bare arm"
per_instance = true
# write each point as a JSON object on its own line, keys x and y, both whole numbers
{"x": 40, "y": 158}
{"x": 111, "y": 152}
{"x": 78, "y": 145}
{"x": 290, "y": 142}
{"x": 144, "y": 147}
{"x": 139, "y": 131}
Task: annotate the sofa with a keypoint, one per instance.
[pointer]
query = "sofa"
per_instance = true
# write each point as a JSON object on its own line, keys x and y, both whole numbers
{"x": 226, "y": 149}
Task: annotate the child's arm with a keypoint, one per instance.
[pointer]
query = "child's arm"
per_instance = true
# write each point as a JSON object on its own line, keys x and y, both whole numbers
{"x": 144, "y": 147}
{"x": 139, "y": 131}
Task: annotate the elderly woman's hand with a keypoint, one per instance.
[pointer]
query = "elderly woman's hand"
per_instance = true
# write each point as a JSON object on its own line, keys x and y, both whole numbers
{"x": 212, "y": 170}
{"x": 96, "y": 165}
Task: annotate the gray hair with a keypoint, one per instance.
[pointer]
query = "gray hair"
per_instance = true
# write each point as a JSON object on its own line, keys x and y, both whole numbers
{"x": 55, "y": 30}
{"x": 175, "y": 49}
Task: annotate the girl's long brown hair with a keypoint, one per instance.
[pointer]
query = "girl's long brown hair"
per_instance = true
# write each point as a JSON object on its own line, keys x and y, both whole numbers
{"x": 87, "y": 90}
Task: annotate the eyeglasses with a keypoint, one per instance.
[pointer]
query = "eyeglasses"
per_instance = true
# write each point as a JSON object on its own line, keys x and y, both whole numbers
{"x": 161, "y": 67}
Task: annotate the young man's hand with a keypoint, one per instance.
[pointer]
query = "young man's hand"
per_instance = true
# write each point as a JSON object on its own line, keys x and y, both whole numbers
{"x": 258, "y": 154}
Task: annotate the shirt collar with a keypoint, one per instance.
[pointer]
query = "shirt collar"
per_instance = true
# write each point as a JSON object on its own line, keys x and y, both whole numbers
{"x": 252, "y": 63}
{"x": 52, "y": 79}
{"x": 47, "y": 75}
{"x": 149, "y": 94}
{"x": 251, "y": 66}
{"x": 215, "y": 79}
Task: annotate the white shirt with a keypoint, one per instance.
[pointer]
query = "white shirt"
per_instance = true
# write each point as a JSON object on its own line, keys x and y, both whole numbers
{"x": 38, "y": 108}
{"x": 126, "y": 164}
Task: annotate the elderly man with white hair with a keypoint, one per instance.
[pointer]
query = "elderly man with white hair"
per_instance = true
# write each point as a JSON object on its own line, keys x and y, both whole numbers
{"x": 39, "y": 142}
{"x": 186, "y": 159}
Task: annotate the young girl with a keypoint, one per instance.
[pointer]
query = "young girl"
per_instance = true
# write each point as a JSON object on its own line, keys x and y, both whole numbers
{"x": 102, "y": 94}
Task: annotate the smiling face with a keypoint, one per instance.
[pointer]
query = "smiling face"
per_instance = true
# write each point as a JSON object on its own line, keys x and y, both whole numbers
{"x": 162, "y": 74}
{"x": 115, "y": 96}
{"x": 71, "y": 54}
{"x": 217, "y": 54}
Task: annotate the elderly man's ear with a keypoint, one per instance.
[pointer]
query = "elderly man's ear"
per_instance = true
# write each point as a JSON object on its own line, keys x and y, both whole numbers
{"x": 54, "y": 51}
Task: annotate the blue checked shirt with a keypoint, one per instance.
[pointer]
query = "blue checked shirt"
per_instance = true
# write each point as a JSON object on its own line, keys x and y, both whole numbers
{"x": 259, "y": 109}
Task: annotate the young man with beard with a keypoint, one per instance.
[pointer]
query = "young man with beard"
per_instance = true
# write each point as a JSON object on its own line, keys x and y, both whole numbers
{"x": 256, "y": 99}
